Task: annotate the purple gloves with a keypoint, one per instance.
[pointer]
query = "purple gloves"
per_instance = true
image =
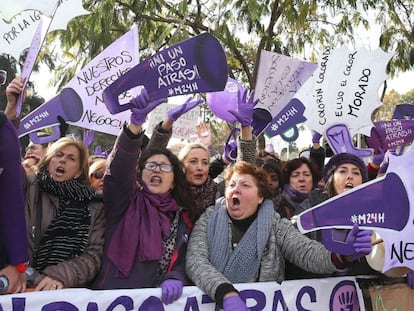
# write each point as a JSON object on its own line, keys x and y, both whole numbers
{"x": 244, "y": 113}
{"x": 378, "y": 156}
{"x": 142, "y": 107}
{"x": 410, "y": 279}
{"x": 171, "y": 290}
{"x": 234, "y": 303}
{"x": 176, "y": 112}
{"x": 360, "y": 240}
{"x": 88, "y": 136}
{"x": 316, "y": 137}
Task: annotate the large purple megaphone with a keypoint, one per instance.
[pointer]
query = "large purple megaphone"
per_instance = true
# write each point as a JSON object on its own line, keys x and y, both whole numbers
{"x": 380, "y": 203}
{"x": 195, "y": 65}
{"x": 67, "y": 104}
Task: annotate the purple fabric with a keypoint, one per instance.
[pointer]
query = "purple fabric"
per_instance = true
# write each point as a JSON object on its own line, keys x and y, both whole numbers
{"x": 171, "y": 290}
{"x": 410, "y": 279}
{"x": 146, "y": 221}
{"x": 361, "y": 242}
{"x": 343, "y": 158}
{"x": 12, "y": 217}
{"x": 176, "y": 112}
{"x": 244, "y": 113}
{"x": 294, "y": 194}
{"x": 142, "y": 106}
{"x": 316, "y": 137}
{"x": 234, "y": 303}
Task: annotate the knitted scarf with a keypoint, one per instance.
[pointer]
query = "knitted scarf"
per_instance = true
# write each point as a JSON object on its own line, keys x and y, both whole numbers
{"x": 294, "y": 194}
{"x": 141, "y": 230}
{"x": 242, "y": 265}
{"x": 204, "y": 195}
{"x": 67, "y": 235}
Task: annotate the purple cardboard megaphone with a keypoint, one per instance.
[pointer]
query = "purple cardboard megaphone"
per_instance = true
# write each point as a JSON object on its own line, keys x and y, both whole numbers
{"x": 193, "y": 66}
{"x": 403, "y": 111}
{"x": 67, "y": 105}
{"x": 380, "y": 203}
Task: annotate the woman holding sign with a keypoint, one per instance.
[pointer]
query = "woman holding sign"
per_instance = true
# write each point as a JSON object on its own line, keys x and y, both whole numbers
{"x": 147, "y": 210}
{"x": 242, "y": 240}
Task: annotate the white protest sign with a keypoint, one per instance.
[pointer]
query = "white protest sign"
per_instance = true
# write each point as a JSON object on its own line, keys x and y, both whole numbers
{"x": 80, "y": 102}
{"x": 16, "y": 35}
{"x": 344, "y": 89}
{"x": 184, "y": 127}
{"x": 340, "y": 293}
{"x": 8, "y": 9}
{"x": 279, "y": 78}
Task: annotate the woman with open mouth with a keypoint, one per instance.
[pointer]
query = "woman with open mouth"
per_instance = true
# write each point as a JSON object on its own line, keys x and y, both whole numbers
{"x": 243, "y": 240}
{"x": 147, "y": 215}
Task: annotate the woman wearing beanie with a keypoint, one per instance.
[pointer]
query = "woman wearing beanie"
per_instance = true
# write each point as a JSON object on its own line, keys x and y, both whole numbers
{"x": 343, "y": 172}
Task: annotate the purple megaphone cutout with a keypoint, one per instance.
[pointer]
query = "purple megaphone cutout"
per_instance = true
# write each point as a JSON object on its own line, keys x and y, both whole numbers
{"x": 67, "y": 105}
{"x": 340, "y": 141}
{"x": 403, "y": 111}
{"x": 196, "y": 65}
{"x": 36, "y": 139}
{"x": 261, "y": 118}
{"x": 380, "y": 203}
{"x": 287, "y": 119}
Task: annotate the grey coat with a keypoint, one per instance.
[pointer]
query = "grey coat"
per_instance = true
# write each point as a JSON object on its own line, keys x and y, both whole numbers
{"x": 285, "y": 242}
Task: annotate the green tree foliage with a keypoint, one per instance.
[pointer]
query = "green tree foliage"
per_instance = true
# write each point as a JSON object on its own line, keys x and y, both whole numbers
{"x": 408, "y": 98}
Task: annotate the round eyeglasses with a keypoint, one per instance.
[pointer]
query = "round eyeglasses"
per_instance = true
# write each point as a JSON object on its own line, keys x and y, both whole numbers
{"x": 151, "y": 166}
{"x": 98, "y": 174}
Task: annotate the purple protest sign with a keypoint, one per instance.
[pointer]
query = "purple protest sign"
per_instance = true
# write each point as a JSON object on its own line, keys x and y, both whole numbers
{"x": 30, "y": 60}
{"x": 390, "y": 134}
{"x": 340, "y": 140}
{"x": 193, "y": 66}
{"x": 67, "y": 105}
{"x": 403, "y": 111}
{"x": 287, "y": 118}
{"x": 370, "y": 204}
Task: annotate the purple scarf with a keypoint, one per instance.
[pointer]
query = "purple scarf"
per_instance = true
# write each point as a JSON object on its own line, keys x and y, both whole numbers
{"x": 294, "y": 194}
{"x": 146, "y": 221}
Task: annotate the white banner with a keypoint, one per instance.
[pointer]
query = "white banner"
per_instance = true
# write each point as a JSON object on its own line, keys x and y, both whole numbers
{"x": 340, "y": 293}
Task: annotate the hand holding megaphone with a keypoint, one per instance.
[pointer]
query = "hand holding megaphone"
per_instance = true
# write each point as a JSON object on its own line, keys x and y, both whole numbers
{"x": 244, "y": 113}
{"x": 190, "y": 103}
{"x": 142, "y": 106}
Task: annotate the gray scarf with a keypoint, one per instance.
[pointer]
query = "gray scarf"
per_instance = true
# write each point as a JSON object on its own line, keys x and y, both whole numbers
{"x": 241, "y": 265}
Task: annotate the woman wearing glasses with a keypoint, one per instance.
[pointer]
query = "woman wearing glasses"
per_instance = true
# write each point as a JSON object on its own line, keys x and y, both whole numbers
{"x": 147, "y": 232}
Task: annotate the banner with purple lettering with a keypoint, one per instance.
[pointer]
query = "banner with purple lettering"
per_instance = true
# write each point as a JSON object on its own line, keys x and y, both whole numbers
{"x": 279, "y": 77}
{"x": 344, "y": 89}
{"x": 80, "y": 103}
{"x": 390, "y": 134}
{"x": 195, "y": 65}
{"x": 385, "y": 204}
{"x": 342, "y": 293}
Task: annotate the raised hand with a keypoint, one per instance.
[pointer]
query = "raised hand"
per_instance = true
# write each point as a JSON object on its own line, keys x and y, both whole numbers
{"x": 88, "y": 137}
{"x": 244, "y": 113}
{"x": 190, "y": 103}
{"x": 142, "y": 106}
{"x": 204, "y": 133}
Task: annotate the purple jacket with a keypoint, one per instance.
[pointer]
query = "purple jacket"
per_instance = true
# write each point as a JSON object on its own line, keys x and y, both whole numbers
{"x": 14, "y": 247}
{"x": 119, "y": 188}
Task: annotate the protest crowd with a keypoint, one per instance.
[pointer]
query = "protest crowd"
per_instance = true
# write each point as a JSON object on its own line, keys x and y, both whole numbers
{"x": 143, "y": 215}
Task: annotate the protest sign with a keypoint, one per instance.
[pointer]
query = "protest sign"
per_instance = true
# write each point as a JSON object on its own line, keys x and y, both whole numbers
{"x": 193, "y": 66}
{"x": 17, "y": 34}
{"x": 80, "y": 103}
{"x": 345, "y": 89}
{"x": 314, "y": 294}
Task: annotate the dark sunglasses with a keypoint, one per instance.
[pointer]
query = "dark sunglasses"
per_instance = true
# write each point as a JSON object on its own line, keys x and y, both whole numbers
{"x": 151, "y": 166}
{"x": 3, "y": 77}
{"x": 98, "y": 175}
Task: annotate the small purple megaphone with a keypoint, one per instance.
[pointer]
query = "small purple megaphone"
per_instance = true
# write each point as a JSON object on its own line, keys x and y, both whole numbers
{"x": 380, "y": 203}
{"x": 195, "y": 65}
{"x": 68, "y": 105}
{"x": 340, "y": 140}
